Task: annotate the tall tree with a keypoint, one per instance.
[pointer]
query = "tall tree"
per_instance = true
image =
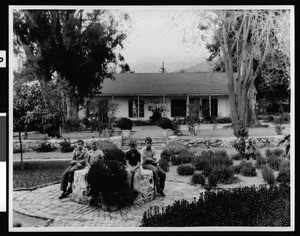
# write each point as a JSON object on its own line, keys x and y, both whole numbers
{"x": 79, "y": 46}
{"x": 247, "y": 39}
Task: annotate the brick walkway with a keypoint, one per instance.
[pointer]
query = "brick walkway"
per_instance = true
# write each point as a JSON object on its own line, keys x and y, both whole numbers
{"x": 44, "y": 203}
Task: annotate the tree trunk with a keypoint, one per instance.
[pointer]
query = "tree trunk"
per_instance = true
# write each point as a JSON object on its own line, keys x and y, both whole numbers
{"x": 21, "y": 150}
{"x": 72, "y": 107}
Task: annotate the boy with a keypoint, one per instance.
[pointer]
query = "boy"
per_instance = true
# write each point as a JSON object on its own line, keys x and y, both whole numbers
{"x": 149, "y": 162}
{"x": 77, "y": 163}
{"x": 133, "y": 161}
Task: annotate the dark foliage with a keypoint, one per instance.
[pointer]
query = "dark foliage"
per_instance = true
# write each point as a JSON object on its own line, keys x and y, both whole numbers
{"x": 185, "y": 169}
{"x": 246, "y": 206}
{"x": 45, "y": 147}
{"x": 165, "y": 123}
{"x": 225, "y": 119}
{"x": 164, "y": 164}
{"x": 65, "y": 146}
{"x": 125, "y": 123}
{"x": 114, "y": 155}
{"x": 155, "y": 116}
{"x": 198, "y": 178}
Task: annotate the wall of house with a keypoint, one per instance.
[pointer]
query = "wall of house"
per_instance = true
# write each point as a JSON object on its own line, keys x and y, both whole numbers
{"x": 223, "y": 106}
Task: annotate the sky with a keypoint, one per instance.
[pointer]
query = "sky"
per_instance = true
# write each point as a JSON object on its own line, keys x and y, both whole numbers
{"x": 153, "y": 36}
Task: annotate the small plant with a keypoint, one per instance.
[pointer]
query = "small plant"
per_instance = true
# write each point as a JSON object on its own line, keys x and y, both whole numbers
{"x": 165, "y": 123}
{"x": 247, "y": 168}
{"x": 185, "y": 169}
{"x": 212, "y": 181}
{"x": 224, "y": 174}
{"x": 260, "y": 161}
{"x": 274, "y": 161}
{"x": 65, "y": 146}
{"x": 198, "y": 178}
{"x": 45, "y": 147}
{"x": 268, "y": 174}
{"x": 18, "y": 149}
{"x": 279, "y": 128}
{"x": 125, "y": 124}
{"x": 176, "y": 127}
{"x": 284, "y": 172}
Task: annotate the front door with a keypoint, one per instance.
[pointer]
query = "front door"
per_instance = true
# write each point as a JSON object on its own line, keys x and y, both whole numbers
{"x": 178, "y": 107}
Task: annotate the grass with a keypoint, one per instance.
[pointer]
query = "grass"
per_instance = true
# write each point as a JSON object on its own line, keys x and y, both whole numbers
{"x": 37, "y": 173}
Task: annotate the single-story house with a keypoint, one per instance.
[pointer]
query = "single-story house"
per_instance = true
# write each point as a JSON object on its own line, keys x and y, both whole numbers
{"x": 137, "y": 93}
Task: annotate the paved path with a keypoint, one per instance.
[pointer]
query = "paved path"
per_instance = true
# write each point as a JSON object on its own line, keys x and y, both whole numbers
{"x": 44, "y": 203}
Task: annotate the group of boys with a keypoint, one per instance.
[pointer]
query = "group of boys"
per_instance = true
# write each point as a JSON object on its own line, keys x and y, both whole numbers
{"x": 82, "y": 158}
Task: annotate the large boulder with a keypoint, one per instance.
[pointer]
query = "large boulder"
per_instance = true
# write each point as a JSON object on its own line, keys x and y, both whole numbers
{"x": 80, "y": 187}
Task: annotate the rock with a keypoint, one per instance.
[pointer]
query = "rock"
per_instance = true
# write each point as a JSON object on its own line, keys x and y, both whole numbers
{"x": 143, "y": 182}
{"x": 79, "y": 187}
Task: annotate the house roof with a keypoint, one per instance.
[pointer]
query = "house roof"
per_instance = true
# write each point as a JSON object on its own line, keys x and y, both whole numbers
{"x": 204, "y": 83}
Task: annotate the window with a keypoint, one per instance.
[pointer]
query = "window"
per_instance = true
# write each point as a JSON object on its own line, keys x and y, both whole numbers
{"x": 214, "y": 107}
{"x": 136, "y": 108}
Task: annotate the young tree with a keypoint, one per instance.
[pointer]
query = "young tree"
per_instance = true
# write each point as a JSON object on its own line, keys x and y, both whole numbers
{"x": 245, "y": 39}
{"x": 77, "y": 45}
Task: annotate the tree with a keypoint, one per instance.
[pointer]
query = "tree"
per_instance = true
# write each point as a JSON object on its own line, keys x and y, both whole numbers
{"x": 248, "y": 39}
{"x": 77, "y": 45}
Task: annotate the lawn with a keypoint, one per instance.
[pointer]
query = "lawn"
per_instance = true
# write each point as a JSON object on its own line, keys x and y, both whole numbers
{"x": 37, "y": 173}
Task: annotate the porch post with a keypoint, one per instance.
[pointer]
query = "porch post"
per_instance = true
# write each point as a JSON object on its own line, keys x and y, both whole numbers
{"x": 138, "y": 107}
{"x": 209, "y": 104}
{"x": 187, "y": 105}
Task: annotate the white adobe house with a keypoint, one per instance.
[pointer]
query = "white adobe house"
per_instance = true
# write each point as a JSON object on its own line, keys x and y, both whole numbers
{"x": 135, "y": 93}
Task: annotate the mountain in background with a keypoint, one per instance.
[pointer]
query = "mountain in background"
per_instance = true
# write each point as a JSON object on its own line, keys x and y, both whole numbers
{"x": 154, "y": 66}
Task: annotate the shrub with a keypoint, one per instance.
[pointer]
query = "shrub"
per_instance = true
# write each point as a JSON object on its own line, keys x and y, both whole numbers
{"x": 45, "y": 147}
{"x": 198, "y": 178}
{"x": 260, "y": 161}
{"x": 109, "y": 178}
{"x": 106, "y": 144}
{"x": 284, "y": 172}
{"x": 65, "y": 146}
{"x": 247, "y": 168}
{"x": 223, "y": 173}
{"x": 279, "y": 128}
{"x": 114, "y": 154}
{"x": 278, "y": 152}
{"x": 243, "y": 206}
{"x": 176, "y": 127}
{"x": 164, "y": 164}
{"x": 176, "y": 160}
{"x": 164, "y": 155}
{"x": 155, "y": 116}
{"x": 143, "y": 122}
{"x": 212, "y": 180}
{"x": 224, "y": 119}
{"x": 268, "y": 174}
{"x": 201, "y": 162}
{"x": 18, "y": 149}
{"x": 124, "y": 123}
{"x": 270, "y": 119}
{"x": 175, "y": 147}
{"x": 274, "y": 161}
{"x": 165, "y": 123}
{"x": 185, "y": 169}
{"x": 186, "y": 156}
{"x": 221, "y": 158}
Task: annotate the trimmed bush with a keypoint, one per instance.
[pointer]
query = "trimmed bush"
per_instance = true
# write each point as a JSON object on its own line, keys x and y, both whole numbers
{"x": 45, "y": 147}
{"x": 176, "y": 160}
{"x": 244, "y": 206}
{"x": 164, "y": 164}
{"x": 164, "y": 155}
{"x": 224, "y": 174}
{"x": 268, "y": 174}
{"x": 185, "y": 169}
{"x": 212, "y": 181}
{"x": 198, "y": 178}
{"x": 165, "y": 123}
{"x": 125, "y": 123}
{"x": 284, "y": 172}
{"x": 65, "y": 146}
{"x": 247, "y": 168}
{"x": 175, "y": 147}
